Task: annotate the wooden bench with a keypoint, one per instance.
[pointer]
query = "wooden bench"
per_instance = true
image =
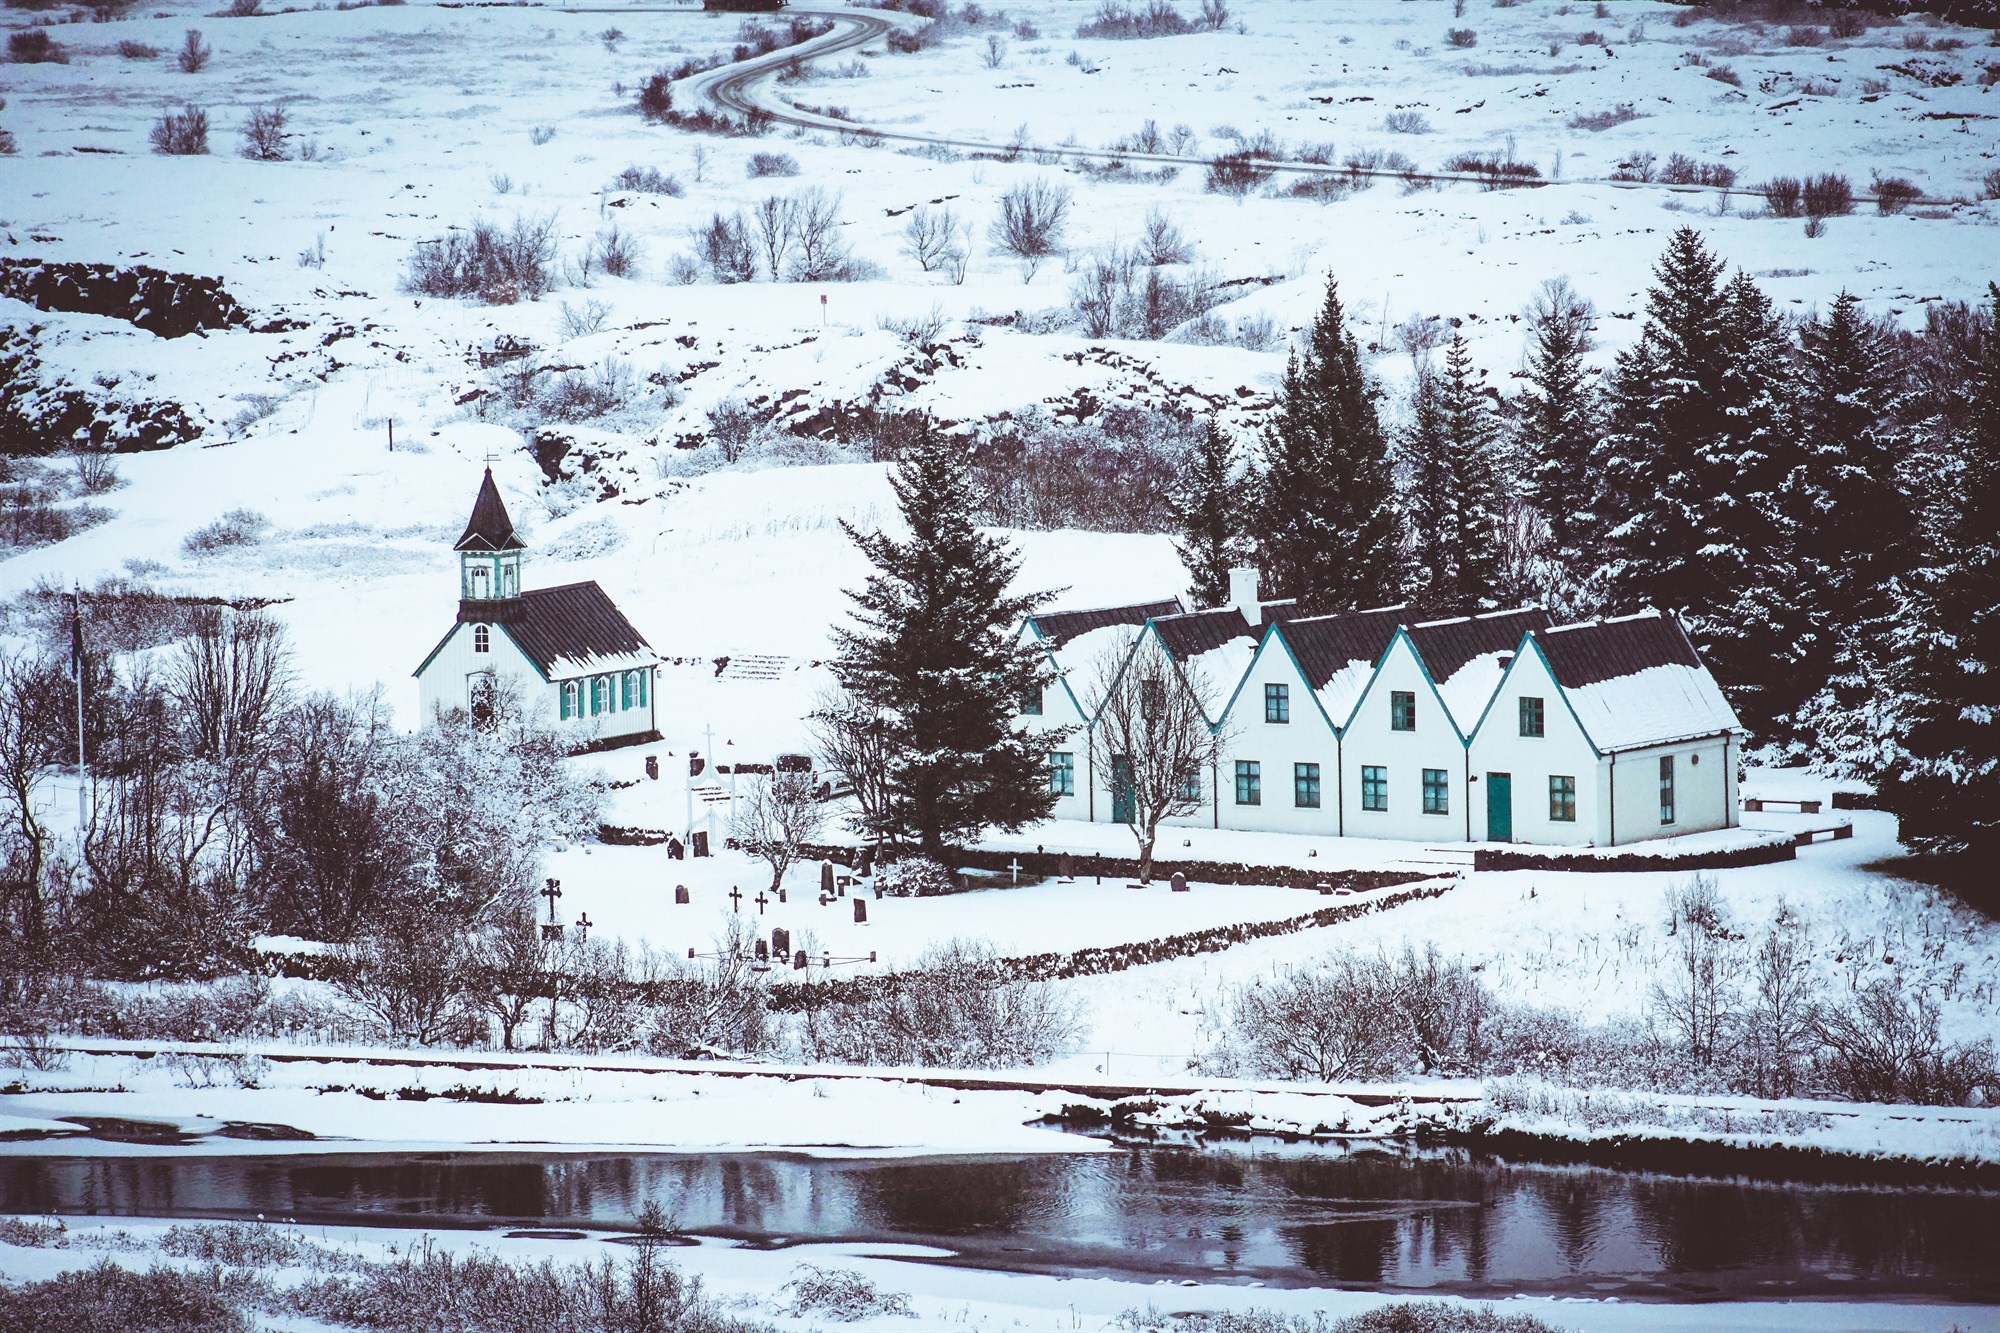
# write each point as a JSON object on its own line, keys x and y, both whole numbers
{"x": 1757, "y": 804}
{"x": 1813, "y": 835}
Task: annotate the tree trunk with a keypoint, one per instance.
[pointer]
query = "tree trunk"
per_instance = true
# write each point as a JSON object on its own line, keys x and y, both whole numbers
{"x": 1146, "y": 841}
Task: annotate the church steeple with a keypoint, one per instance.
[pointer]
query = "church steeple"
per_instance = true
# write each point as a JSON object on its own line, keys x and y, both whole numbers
{"x": 489, "y": 560}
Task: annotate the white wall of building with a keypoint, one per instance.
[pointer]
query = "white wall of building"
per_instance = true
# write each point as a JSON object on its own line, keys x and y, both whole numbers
{"x": 447, "y": 679}
{"x": 1562, "y": 750}
{"x": 1060, "y": 710}
{"x": 1276, "y": 747}
{"x": 1704, "y": 789}
{"x": 1371, "y": 741}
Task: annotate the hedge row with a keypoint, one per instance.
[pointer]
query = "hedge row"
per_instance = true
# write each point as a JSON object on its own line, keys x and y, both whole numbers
{"x": 1100, "y": 960}
{"x": 1732, "y": 858}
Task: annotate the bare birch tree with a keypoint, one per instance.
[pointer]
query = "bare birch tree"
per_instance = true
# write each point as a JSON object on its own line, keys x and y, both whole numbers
{"x": 1152, "y": 723}
{"x": 852, "y": 739}
{"x": 780, "y": 815}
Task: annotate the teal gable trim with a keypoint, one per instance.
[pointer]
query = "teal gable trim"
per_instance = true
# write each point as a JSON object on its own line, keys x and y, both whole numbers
{"x": 432, "y": 654}
{"x": 1528, "y": 640}
{"x": 1403, "y": 637}
{"x": 1276, "y": 630}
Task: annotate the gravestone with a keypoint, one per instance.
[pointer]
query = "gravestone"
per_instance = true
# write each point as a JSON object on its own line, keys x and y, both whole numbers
{"x": 675, "y": 851}
{"x": 1180, "y": 882}
{"x": 653, "y": 767}
{"x": 867, "y": 861}
{"x": 826, "y": 877}
{"x": 1066, "y": 868}
{"x": 680, "y": 895}
{"x": 781, "y": 896}
{"x": 799, "y": 961}
{"x": 781, "y": 941}
{"x": 763, "y": 952}
{"x": 701, "y": 842}
{"x": 860, "y": 911}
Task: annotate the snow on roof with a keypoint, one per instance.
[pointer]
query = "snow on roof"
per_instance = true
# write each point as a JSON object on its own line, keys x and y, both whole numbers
{"x": 1079, "y": 658}
{"x": 489, "y": 528}
{"x": 577, "y": 630}
{"x": 1467, "y": 655}
{"x": 1058, "y": 627}
{"x": 1338, "y": 653}
{"x": 1636, "y": 681}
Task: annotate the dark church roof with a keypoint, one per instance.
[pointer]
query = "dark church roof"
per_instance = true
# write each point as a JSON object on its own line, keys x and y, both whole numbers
{"x": 1059, "y": 627}
{"x": 1447, "y": 645}
{"x": 1601, "y": 650}
{"x": 489, "y": 528}
{"x": 576, "y": 629}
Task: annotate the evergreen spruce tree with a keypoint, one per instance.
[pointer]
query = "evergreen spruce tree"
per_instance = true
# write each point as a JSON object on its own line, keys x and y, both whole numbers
{"x": 1942, "y": 776}
{"x": 1477, "y": 496}
{"x": 1556, "y": 430}
{"x": 1326, "y": 527}
{"x": 1425, "y": 476}
{"x": 934, "y": 650}
{"x": 1209, "y": 512}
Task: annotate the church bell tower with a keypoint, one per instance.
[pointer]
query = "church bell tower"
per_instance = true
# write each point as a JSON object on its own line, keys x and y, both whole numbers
{"x": 489, "y": 561}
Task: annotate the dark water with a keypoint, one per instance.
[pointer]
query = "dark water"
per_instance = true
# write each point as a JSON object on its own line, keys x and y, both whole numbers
{"x": 1437, "y": 1220}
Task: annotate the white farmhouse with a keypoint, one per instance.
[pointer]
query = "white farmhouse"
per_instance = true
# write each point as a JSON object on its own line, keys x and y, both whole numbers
{"x": 567, "y": 653}
{"x": 1605, "y": 733}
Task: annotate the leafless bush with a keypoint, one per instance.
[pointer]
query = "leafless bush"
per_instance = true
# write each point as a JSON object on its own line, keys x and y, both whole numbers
{"x": 1117, "y": 20}
{"x": 1805, "y": 34}
{"x": 1111, "y": 473}
{"x": 1698, "y": 1001}
{"x": 772, "y": 164}
{"x": 1604, "y": 120}
{"x": 1335, "y": 1019}
{"x": 647, "y": 180}
{"x": 656, "y": 95}
{"x": 1989, "y": 184}
{"x": 615, "y": 251}
{"x": 1782, "y": 195}
{"x": 995, "y": 54}
{"x": 95, "y": 472}
{"x": 1214, "y": 15}
{"x": 780, "y": 814}
{"x": 1235, "y": 174}
{"x": 34, "y": 46}
{"x": 1681, "y": 169}
{"x": 1031, "y": 223}
{"x": 1724, "y": 74}
{"x": 1847, "y": 23}
{"x": 1406, "y": 122}
{"x": 1893, "y": 194}
{"x": 733, "y": 427}
{"x": 499, "y": 267}
{"x": 584, "y": 320}
{"x": 264, "y": 134}
{"x": 1884, "y": 1045}
{"x": 1462, "y": 38}
{"x": 1827, "y": 195}
{"x": 182, "y": 133}
{"x": 1161, "y": 240}
{"x": 541, "y": 134}
{"x": 840, "y": 1294}
{"x": 131, "y": 50}
{"x": 917, "y": 330}
{"x": 821, "y": 255}
{"x": 928, "y": 235}
{"x": 238, "y": 527}
{"x": 194, "y": 53}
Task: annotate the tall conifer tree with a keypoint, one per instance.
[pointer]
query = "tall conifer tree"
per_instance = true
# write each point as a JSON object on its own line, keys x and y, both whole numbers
{"x": 934, "y": 650}
{"x": 1209, "y": 511}
{"x": 1942, "y": 776}
{"x": 1452, "y": 487}
{"x": 1326, "y": 528}
{"x": 1557, "y": 426}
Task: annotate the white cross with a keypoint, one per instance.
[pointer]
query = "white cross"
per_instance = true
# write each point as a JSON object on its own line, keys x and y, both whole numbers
{"x": 1014, "y": 865}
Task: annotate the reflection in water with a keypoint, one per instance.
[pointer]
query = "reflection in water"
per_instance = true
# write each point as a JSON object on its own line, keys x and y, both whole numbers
{"x": 1360, "y": 1216}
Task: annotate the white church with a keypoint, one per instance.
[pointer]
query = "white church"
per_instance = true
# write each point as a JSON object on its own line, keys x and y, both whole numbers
{"x": 1494, "y": 728}
{"x": 567, "y": 653}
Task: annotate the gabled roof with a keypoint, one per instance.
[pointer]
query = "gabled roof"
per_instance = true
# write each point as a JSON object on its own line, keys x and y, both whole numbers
{"x": 1465, "y": 655}
{"x": 1192, "y": 633}
{"x": 1059, "y": 627}
{"x": 576, "y": 629}
{"x": 489, "y": 528}
{"x": 1635, "y": 681}
{"x": 1338, "y": 654}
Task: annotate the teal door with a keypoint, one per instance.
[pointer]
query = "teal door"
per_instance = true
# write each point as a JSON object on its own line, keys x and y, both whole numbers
{"x": 1122, "y": 804}
{"x": 1500, "y": 807}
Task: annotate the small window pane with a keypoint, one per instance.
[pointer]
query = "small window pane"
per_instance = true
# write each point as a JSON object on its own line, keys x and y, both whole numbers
{"x": 1666, "y": 789}
{"x": 1191, "y": 784}
{"x": 1531, "y": 715}
{"x": 1277, "y": 703}
{"x": 1062, "y": 773}
{"x": 1437, "y": 792}
{"x": 1249, "y": 782}
{"x": 1374, "y": 787}
{"x": 1562, "y": 800}
{"x": 1031, "y": 701}
{"x": 1305, "y": 786}
{"x": 1402, "y": 710}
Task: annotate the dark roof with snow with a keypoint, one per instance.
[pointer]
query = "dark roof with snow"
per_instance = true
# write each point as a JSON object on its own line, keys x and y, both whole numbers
{"x": 1059, "y": 627}
{"x": 1447, "y": 645}
{"x": 575, "y": 629}
{"x": 489, "y": 528}
{"x": 1600, "y": 650}
{"x": 1325, "y": 645}
{"x": 1192, "y": 633}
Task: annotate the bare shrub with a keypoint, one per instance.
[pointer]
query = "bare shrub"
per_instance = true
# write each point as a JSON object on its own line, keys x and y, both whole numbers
{"x": 1782, "y": 196}
{"x": 917, "y": 330}
{"x": 820, "y": 253}
{"x": 95, "y": 472}
{"x": 241, "y": 9}
{"x": 1112, "y": 473}
{"x": 1335, "y": 1019}
{"x": 498, "y": 267}
{"x": 1805, "y": 34}
{"x": 1161, "y": 240}
{"x": 656, "y": 95}
{"x": 723, "y": 247}
{"x": 1604, "y": 120}
{"x": 194, "y": 53}
{"x": 583, "y": 395}
{"x": 928, "y": 234}
{"x": 995, "y": 54}
{"x": 1827, "y": 195}
{"x": 1235, "y": 174}
{"x": 584, "y": 320}
{"x": 1724, "y": 74}
{"x": 1989, "y": 184}
{"x": 264, "y": 134}
{"x": 1698, "y": 1001}
{"x": 1406, "y": 122}
{"x": 1884, "y": 1045}
{"x": 1893, "y": 194}
{"x": 1681, "y": 169}
{"x": 1119, "y": 21}
{"x": 1031, "y": 223}
{"x": 1214, "y": 15}
{"x": 615, "y": 251}
{"x": 840, "y": 1294}
{"x": 182, "y": 133}
{"x": 238, "y": 527}
{"x": 34, "y": 46}
{"x": 779, "y": 815}
{"x": 772, "y": 164}
{"x": 1462, "y": 38}
{"x": 131, "y": 50}
{"x": 647, "y": 180}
